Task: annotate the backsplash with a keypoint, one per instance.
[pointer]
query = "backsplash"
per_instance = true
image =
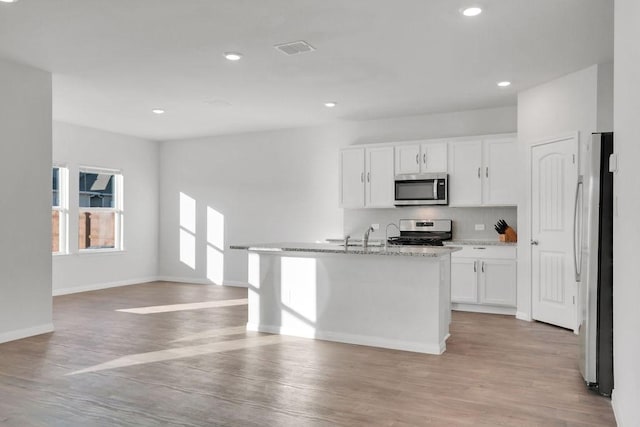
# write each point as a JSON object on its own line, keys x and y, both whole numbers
{"x": 464, "y": 220}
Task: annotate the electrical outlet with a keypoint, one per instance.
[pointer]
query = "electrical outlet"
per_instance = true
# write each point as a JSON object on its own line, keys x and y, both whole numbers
{"x": 479, "y": 227}
{"x": 375, "y": 226}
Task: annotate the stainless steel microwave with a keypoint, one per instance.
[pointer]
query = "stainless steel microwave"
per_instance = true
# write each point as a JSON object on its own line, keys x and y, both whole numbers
{"x": 422, "y": 189}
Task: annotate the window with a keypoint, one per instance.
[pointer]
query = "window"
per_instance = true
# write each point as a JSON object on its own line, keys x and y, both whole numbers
{"x": 100, "y": 210}
{"x": 59, "y": 210}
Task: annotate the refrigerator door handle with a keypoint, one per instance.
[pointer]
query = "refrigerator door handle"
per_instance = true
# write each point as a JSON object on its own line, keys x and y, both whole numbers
{"x": 577, "y": 263}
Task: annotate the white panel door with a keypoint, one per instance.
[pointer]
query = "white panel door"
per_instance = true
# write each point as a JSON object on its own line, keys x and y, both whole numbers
{"x": 500, "y": 172}
{"x": 434, "y": 157}
{"x": 352, "y": 178}
{"x": 379, "y": 177}
{"x": 498, "y": 282}
{"x": 554, "y": 174}
{"x": 408, "y": 159}
{"x": 464, "y": 280}
{"x": 465, "y": 179}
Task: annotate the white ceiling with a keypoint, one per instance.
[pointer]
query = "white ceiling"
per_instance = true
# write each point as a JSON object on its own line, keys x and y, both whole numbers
{"x": 114, "y": 61}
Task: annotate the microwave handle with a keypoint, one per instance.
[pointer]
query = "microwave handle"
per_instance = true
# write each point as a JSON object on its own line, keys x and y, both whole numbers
{"x": 435, "y": 189}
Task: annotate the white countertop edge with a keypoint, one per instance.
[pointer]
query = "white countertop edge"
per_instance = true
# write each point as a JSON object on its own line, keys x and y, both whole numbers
{"x": 328, "y": 248}
{"x": 468, "y": 242}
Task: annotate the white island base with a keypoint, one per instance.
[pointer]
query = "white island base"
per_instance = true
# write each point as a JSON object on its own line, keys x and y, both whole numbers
{"x": 398, "y": 302}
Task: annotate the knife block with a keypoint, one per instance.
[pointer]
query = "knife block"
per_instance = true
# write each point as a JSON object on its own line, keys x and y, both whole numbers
{"x": 509, "y": 235}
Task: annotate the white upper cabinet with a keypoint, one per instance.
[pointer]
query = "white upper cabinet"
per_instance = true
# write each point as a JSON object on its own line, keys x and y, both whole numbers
{"x": 366, "y": 177}
{"x": 434, "y": 157}
{"x": 500, "y": 172}
{"x": 408, "y": 159}
{"x": 379, "y": 185}
{"x": 465, "y": 173}
{"x": 483, "y": 172}
{"x": 352, "y": 178}
{"x": 421, "y": 158}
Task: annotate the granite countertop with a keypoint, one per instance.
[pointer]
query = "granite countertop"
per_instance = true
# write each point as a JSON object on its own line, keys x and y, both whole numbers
{"x": 465, "y": 242}
{"x": 418, "y": 251}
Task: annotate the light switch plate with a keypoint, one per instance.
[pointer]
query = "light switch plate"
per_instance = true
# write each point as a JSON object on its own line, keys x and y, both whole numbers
{"x": 479, "y": 227}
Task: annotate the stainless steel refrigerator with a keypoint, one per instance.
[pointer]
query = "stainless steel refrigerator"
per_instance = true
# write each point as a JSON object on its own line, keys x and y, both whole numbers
{"x": 593, "y": 256}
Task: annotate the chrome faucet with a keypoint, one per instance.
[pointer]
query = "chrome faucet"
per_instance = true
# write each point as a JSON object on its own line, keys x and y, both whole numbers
{"x": 386, "y": 233}
{"x": 346, "y": 241}
{"x": 365, "y": 239}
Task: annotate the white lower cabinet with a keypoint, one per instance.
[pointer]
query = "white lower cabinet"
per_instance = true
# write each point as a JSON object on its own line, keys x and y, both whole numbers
{"x": 464, "y": 280}
{"x": 497, "y": 282}
{"x": 483, "y": 279}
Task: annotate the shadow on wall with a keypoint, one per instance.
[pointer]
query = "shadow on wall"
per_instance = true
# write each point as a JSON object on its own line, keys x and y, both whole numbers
{"x": 215, "y": 239}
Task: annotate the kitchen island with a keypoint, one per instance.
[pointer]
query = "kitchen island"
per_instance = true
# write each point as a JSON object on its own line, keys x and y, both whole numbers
{"x": 396, "y": 297}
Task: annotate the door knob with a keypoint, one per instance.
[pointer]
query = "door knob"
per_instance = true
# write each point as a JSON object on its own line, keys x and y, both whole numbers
{"x": 534, "y": 243}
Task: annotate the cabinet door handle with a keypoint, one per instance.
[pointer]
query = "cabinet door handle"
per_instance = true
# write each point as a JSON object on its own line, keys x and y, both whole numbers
{"x": 486, "y": 171}
{"x": 479, "y": 172}
{"x": 424, "y": 159}
{"x": 483, "y": 266}
{"x": 475, "y": 268}
{"x": 361, "y": 176}
{"x": 417, "y": 159}
{"x": 368, "y": 176}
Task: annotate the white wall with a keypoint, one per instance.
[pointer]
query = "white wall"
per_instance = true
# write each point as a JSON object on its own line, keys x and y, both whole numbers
{"x": 25, "y": 186}
{"x": 277, "y": 185}
{"x": 269, "y": 186}
{"x": 562, "y": 106}
{"x": 626, "y": 286}
{"x": 605, "y": 97}
{"x": 75, "y": 146}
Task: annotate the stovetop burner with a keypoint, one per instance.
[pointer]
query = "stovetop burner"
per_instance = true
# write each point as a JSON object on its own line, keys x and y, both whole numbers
{"x": 422, "y": 232}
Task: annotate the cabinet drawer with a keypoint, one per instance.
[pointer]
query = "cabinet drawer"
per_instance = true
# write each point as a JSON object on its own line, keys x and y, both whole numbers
{"x": 479, "y": 251}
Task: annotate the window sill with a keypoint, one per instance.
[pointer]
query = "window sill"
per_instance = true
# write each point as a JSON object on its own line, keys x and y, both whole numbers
{"x": 100, "y": 252}
{"x": 109, "y": 252}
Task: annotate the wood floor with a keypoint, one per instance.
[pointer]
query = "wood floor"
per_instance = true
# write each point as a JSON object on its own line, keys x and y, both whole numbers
{"x": 181, "y": 366}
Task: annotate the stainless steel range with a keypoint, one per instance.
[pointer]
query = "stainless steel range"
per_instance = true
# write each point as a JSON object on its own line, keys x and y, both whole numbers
{"x": 422, "y": 232}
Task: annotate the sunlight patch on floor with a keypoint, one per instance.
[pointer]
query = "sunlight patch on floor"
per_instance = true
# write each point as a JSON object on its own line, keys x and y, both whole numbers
{"x": 182, "y": 352}
{"x": 183, "y": 307}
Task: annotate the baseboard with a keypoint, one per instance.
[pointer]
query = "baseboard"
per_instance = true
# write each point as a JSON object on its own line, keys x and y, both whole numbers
{"x": 98, "y": 286}
{"x": 483, "y": 309}
{"x": 524, "y": 316}
{"x": 25, "y": 333}
{"x": 200, "y": 281}
{"x": 235, "y": 283}
{"x": 616, "y": 409}
{"x": 353, "y": 339}
{"x": 193, "y": 280}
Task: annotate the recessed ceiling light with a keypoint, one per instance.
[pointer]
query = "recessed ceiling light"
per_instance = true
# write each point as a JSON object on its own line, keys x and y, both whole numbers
{"x": 233, "y": 56}
{"x": 472, "y": 11}
{"x": 330, "y": 104}
{"x": 504, "y": 84}
{"x": 157, "y": 111}
{"x": 8, "y": 1}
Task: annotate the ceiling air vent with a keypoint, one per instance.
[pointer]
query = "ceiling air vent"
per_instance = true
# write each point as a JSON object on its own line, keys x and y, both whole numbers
{"x": 294, "y": 48}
